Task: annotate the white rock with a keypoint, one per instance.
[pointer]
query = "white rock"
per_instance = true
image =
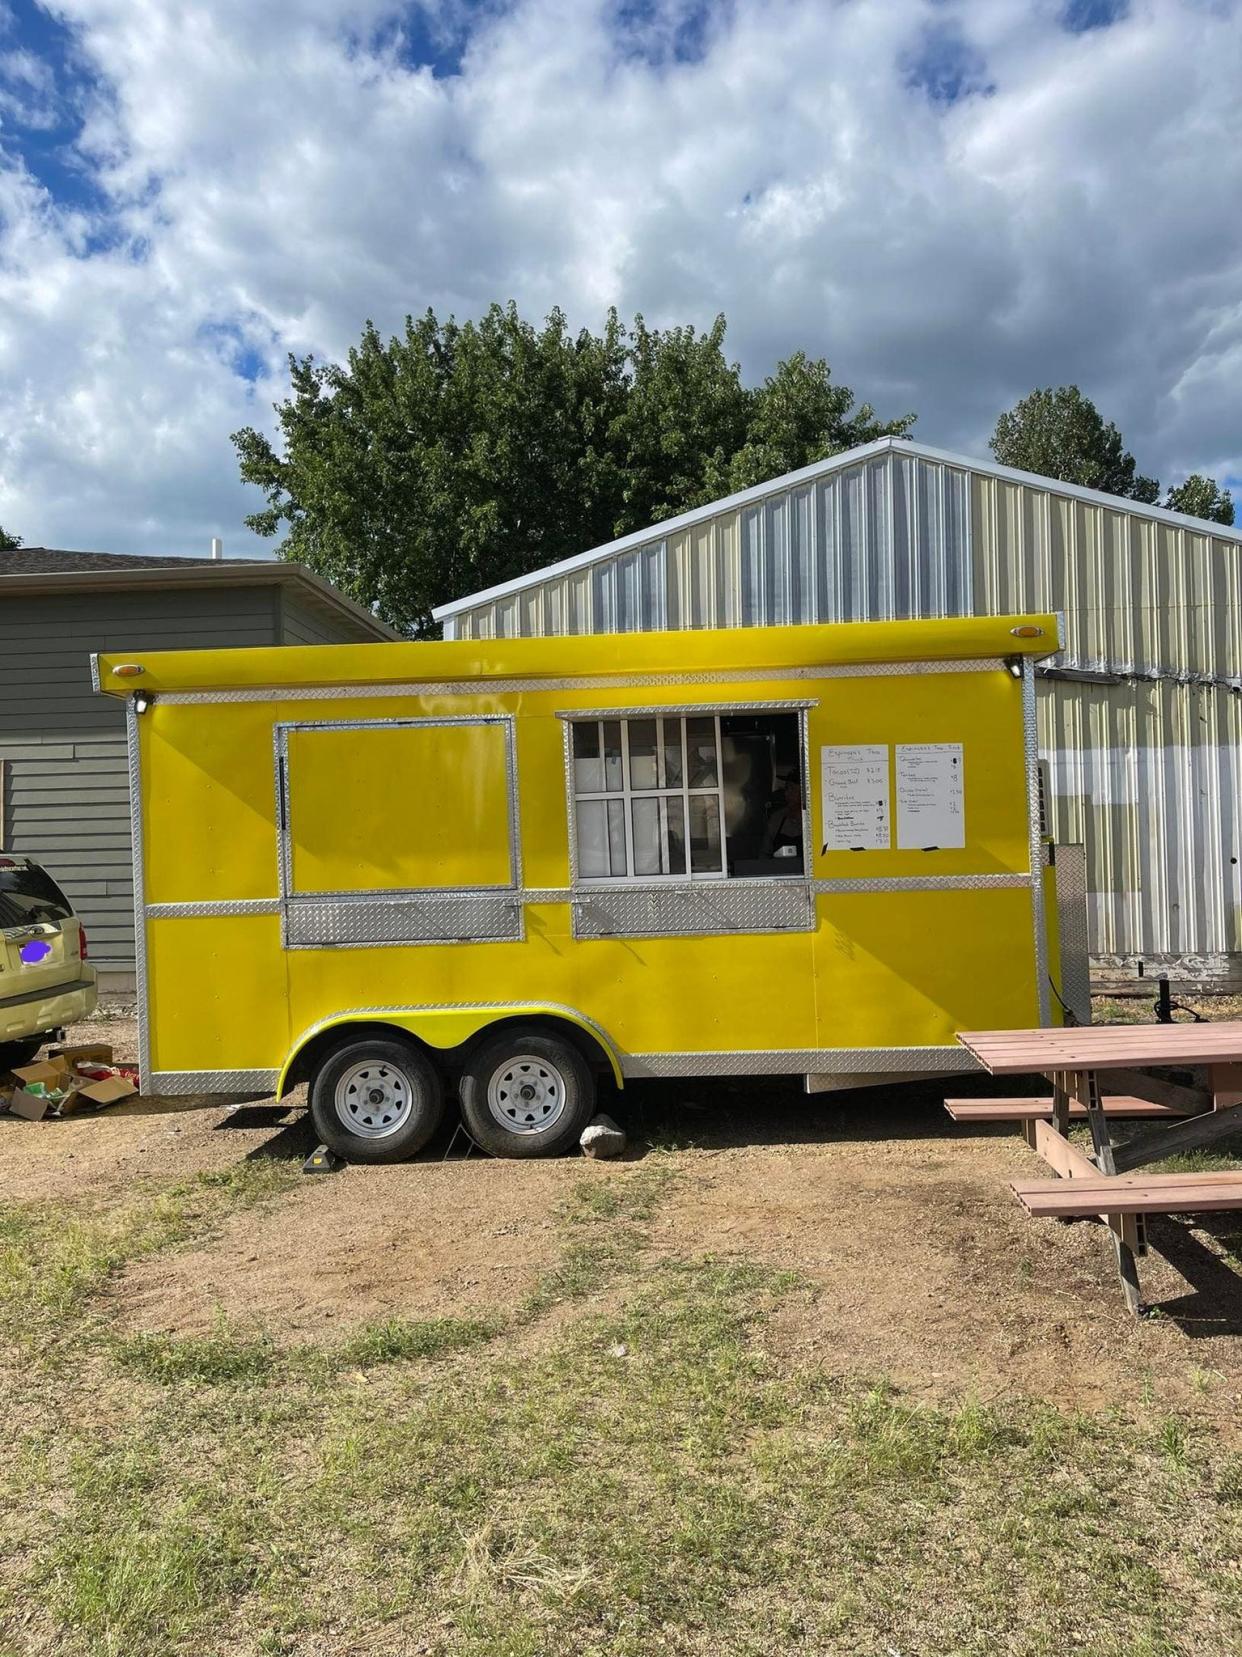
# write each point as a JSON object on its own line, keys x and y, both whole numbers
{"x": 603, "y": 1138}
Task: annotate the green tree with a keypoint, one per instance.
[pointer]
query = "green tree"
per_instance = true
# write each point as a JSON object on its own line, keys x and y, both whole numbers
{"x": 10, "y": 543}
{"x": 1201, "y": 497}
{"x": 1061, "y": 434}
{"x": 798, "y": 416}
{"x": 457, "y": 456}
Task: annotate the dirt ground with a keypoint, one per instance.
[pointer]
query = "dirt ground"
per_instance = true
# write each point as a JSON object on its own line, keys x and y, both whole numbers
{"x": 919, "y": 1264}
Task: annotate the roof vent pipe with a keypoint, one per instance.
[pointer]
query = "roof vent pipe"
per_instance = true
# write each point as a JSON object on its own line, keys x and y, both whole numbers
{"x": 217, "y": 547}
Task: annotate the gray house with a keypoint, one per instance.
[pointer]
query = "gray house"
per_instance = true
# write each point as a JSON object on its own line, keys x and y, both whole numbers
{"x": 64, "y": 795}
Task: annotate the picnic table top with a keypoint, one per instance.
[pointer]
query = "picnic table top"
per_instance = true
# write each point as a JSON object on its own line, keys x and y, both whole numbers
{"x": 1103, "y": 1047}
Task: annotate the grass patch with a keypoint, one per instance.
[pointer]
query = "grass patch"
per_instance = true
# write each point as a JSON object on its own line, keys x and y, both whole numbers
{"x": 228, "y": 1358}
{"x": 654, "y": 1479}
{"x": 53, "y": 1258}
{"x": 208, "y": 1360}
{"x": 397, "y": 1340}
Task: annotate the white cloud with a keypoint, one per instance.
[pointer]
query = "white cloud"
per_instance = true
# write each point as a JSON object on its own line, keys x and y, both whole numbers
{"x": 263, "y": 178}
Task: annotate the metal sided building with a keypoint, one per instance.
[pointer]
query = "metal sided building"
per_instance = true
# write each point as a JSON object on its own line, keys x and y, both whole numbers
{"x": 1140, "y": 716}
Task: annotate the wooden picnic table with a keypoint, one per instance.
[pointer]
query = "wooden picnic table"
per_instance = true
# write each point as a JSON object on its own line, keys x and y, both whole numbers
{"x": 1073, "y": 1061}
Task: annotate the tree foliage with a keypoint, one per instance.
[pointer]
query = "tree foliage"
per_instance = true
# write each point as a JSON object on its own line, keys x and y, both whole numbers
{"x": 1061, "y": 434}
{"x": 456, "y": 456}
{"x": 1201, "y": 497}
{"x": 9, "y": 543}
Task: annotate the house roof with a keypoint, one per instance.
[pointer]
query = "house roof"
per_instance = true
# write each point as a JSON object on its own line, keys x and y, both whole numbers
{"x": 822, "y": 468}
{"x": 53, "y": 570}
{"x": 52, "y": 561}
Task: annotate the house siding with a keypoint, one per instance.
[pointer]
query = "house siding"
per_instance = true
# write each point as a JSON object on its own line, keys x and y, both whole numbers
{"x": 66, "y": 781}
{"x": 304, "y": 623}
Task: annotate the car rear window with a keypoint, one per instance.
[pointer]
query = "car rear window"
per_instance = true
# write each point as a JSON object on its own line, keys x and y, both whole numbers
{"x": 28, "y": 893}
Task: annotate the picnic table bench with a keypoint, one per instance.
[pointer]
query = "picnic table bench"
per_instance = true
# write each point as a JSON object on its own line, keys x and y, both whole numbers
{"x": 1102, "y": 1184}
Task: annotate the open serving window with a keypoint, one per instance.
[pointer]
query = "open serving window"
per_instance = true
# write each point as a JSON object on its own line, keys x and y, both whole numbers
{"x": 689, "y": 820}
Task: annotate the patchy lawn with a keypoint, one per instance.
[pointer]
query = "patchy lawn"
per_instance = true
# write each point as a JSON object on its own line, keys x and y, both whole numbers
{"x": 799, "y": 1376}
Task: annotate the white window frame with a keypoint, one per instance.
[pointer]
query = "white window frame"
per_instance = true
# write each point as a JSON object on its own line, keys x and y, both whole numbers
{"x": 717, "y": 711}
{"x": 626, "y": 795}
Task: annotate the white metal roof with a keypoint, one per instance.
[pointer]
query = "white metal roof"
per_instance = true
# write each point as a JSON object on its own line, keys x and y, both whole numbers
{"x": 822, "y": 468}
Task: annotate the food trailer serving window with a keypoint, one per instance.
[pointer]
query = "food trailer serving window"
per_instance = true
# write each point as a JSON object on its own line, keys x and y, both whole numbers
{"x": 694, "y": 796}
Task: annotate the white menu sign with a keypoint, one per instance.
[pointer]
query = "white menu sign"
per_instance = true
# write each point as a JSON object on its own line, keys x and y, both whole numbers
{"x": 931, "y": 813}
{"x": 854, "y": 784}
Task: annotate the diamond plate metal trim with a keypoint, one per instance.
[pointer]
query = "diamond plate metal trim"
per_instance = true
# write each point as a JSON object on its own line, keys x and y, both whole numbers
{"x": 801, "y": 1061}
{"x": 213, "y": 906}
{"x": 684, "y": 709}
{"x": 921, "y": 883}
{"x": 433, "y": 918}
{"x": 1075, "y": 985}
{"x": 568, "y": 894}
{"x": 95, "y": 685}
{"x": 1030, "y": 743}
{"x": 501, "y": 687}
{"x": 177, "y": 1084}
{"x": 140, "y": 893}
{"x": 700, "y": 909}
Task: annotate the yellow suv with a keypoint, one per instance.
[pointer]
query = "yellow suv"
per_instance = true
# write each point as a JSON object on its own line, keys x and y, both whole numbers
{"x": 45, "y": 982}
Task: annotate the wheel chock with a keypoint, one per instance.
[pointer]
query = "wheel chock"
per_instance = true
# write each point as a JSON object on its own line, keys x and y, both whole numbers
{"x": 323, "y": 1161}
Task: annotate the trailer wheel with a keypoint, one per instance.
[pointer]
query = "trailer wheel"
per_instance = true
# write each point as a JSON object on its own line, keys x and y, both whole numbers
{"x": 376, "y": 1100}
{"x": 527, "y": 1094}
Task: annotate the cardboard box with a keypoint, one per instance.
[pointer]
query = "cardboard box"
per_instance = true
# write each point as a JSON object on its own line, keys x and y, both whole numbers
{"x": 97, "y": 1052}
{"x": 32, "y": 1106}
{"x": 51, "y": 1074}
{"x": 106, "y": 1092}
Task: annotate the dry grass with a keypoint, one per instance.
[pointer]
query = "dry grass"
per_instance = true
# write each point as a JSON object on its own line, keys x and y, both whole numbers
{"x": 655, "y": 1478}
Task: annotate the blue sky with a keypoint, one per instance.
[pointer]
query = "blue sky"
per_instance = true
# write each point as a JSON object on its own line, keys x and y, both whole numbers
{"x": 952, "y": 200}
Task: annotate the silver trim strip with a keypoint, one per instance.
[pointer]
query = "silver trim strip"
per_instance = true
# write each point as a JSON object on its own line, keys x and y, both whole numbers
{"x": 213, "y": 906}
{"x": 571, "y": 894}
{"x": 859, "y": 1061}
{"x": 920, "y": 883}
{"x": 722, "y": 676}
{"x": 801, "y": 1061}
{"x": 95, "y": 685}
{"x": 685, "y": 709}
{"x": 178, "y": 1084}
{"x": 140, "y": 896}
{"x": 1030, "y": 743}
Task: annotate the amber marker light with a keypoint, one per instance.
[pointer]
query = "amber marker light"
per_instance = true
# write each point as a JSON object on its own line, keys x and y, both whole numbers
{"x": 1027, "y": 632}
{"x": 127, "y": 670}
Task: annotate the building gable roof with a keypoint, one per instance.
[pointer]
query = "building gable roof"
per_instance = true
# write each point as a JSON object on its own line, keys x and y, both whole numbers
{"x": 808, "y": 474}
{"x": 53, "y": 570}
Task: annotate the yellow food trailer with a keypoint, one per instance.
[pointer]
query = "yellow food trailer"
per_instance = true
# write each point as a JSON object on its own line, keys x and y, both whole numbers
{"x": 506, "y": 868}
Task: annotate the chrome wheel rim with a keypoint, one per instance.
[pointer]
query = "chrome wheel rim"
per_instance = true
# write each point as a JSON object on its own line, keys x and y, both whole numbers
{"x": 374, "y": 1099}
{"x": 526, "y": 1094}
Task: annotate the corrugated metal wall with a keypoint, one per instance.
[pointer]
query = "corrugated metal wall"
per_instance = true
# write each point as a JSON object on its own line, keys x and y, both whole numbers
{"x": 1145, "y": 768}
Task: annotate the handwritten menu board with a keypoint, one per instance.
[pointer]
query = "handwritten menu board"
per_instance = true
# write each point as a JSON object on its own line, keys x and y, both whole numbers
{"x": 931, "y": 813}
{"x": 855, "y": 797}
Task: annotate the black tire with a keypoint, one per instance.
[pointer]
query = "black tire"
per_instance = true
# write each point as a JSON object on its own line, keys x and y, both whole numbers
{"x": 412, "y": 1093}
{"x": 13, "y": 1053}
{"x": 563, "y": 1094}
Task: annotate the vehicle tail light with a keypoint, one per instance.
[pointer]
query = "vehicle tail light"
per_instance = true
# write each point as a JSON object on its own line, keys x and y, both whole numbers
{"x": 81, "y": 940}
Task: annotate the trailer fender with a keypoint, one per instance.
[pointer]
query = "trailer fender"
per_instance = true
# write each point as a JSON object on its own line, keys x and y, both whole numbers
{"x": 448, "y": 1027}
